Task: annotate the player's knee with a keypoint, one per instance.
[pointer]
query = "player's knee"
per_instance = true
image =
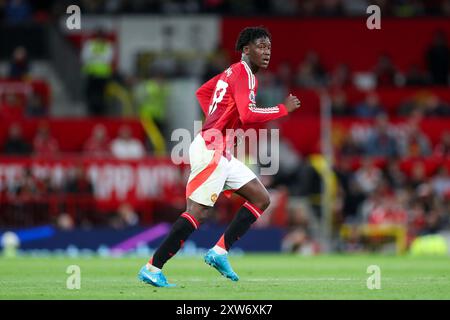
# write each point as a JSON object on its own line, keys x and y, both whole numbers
{"x": 264, "y": 202}
{"x": 201, "y": 214}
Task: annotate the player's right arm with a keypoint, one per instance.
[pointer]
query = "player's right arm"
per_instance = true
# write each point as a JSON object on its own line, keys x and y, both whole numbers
{"x": 205, "y": 92}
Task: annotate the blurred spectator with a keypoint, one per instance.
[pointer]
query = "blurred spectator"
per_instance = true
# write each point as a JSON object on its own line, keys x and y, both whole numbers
{"x": 384, "y": 207}
{"x": 441, "y": 182}
{"x": 275, "y": 86}
{"x": 125, "y": 217}
{"x": 418, "y": 175}
{"x": 351, "y": 146}
{"x": 442, "y": 149}
{"x": 341, "y": 76}
{"x": 17, "y": 11}
{"x": 424, "y": 103}
{"x": 216, "y": 64}
{"x": 299, "y": 238}
{"x": 25, "y": 187}
{"x": 286, "y": 7}
{"x": 310, "y": 72}
{"x": 308, "y": 8}
{"x": 284, "y": 76}
{"x": 78, "y": 182}
{"x": 368, "y": 176}
{"x": 65, "y": 222}
{"x": 438, "y": 59}
{"x": 19, "y": 66}
{"x": 353, "y": 195}
{"x": 35, "y": 106}
{"x": 151, "y": 96}
{"x": 414, "y": 143}
{"x": 385, "y": 72}
{"x": 15, "y": 143}
{"x": 271, "y": 92}
{"x": 127, "y": 147}
{"x": 415, "y": 77}
{"x": 311, "y": 186}
{"x": 407, "y": 8}
{"x": 97, "y": 56}
{"x": 393, "y": 174}
{"x": 355, "y": 7}
{"x": 433, "y": 106}
{"x": 93, "y": 6}
{"x": 44, "y": 144}
{"x": 166, "y": 62}
{"x": 432, "y": 208}
{"x": 12, "y": 108}
{"x": 290, "y": 167}
{"x": 339, "y": 105}
{"x": 416, "y": 217}
{"x": 381, "y": 141}
{"x": 370, "y": 108}
{"x": 330, "y": 8}
{"x": 97, "y": 144}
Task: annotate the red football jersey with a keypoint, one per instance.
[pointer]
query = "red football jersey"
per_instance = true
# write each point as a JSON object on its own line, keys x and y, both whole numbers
{"x": 229, "y": 101}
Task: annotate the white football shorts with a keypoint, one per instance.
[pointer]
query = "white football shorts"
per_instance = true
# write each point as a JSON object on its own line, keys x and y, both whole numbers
{"x": 211, "y": 173}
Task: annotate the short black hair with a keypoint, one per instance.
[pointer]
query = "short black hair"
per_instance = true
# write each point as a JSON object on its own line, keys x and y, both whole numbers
{"x": 250, "y": 34}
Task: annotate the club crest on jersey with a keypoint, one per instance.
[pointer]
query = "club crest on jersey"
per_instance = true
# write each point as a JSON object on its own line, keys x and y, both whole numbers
{"x": 214, "y": 197}
{"x": 252, "y": 96}
{"x": 228, "y": 72}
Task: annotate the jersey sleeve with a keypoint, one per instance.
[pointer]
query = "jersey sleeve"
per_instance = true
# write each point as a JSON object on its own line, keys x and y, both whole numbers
{"x": 205, "y": 92}
{"x": 243, "y": 87}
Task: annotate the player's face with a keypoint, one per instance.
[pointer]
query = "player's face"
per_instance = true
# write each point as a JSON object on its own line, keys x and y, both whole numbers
{"x": 259, "y": 52}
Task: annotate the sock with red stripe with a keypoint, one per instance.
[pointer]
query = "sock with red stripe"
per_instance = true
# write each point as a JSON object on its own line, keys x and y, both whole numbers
{"x": 185, "y": 225}
{"x": 238, "y": 226}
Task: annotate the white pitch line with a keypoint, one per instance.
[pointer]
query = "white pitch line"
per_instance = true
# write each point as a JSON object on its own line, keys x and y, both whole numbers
{"x": 282, "y": 280}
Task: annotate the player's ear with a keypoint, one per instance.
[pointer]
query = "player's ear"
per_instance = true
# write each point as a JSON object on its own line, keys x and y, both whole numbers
{"x": 245, "y": 50}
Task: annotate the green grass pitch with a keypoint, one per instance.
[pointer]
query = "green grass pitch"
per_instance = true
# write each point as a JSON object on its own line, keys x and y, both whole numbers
{"x": 263, "y": 276}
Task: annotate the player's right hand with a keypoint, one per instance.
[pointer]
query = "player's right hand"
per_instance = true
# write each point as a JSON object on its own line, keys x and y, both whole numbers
{"x": 292, "y": 103}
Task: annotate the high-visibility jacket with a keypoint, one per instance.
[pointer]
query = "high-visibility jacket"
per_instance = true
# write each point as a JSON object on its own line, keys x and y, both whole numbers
{"x": 97, "y": 57}
{"x": 151, "y": 99}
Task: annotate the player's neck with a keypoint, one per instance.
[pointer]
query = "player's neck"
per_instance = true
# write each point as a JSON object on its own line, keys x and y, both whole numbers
{"x": 254, "y": 68}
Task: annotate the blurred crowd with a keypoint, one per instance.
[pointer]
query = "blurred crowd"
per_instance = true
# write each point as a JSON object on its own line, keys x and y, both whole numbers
{"x": 148, "y": 87}
{"x": 389, "y": 140}
{"x": 17, "y": 11}
{"x": 367, "y": 190}
{"x": 98, "y": 145}
{"x": 31, "y": 199}
{"x": 69, "y": 202}
{"x": 313, "y": 74}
